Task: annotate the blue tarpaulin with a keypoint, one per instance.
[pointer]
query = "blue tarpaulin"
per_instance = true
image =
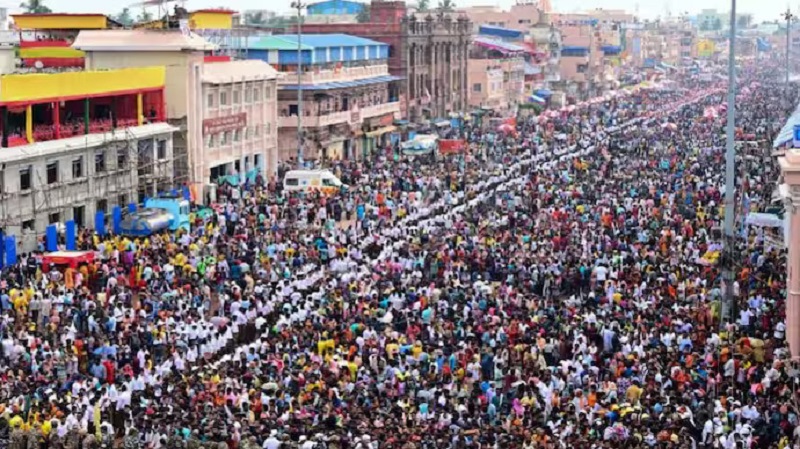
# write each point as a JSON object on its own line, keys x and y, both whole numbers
{"x": 537, "y": 99}
{"x": 51, "y": 237}
{"x": 10, "y": 250}
{"x": 544, "y": 93}
{"x": 71, "y": 231}
{"x": 505, "y": 33}
{"x": 787, "y": 132}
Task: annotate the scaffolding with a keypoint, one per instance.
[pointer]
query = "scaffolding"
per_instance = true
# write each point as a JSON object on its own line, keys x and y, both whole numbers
{"x": 141, "y": 176}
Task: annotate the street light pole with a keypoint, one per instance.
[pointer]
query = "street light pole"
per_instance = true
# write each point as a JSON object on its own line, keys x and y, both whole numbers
{"x": 730, "y": 168}
{"x": 788, "y": 16}
{"x": 298, "y": 5}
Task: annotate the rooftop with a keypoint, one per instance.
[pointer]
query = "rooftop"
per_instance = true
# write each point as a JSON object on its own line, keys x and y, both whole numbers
{"x": 53, "y": 147}
{"x": 498, "y": 45}
{"x": 311, "y": 41}
{"x": 141, "y": 40}
{"x": 238, "y": 71}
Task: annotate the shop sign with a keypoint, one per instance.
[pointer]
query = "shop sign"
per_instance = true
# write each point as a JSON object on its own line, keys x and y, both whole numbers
{"x": 226, "y": 123}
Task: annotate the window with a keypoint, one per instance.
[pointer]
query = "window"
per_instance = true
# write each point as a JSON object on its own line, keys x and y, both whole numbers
{"x": 583, "y": 68}
{"x": 476, "y": 87}
{"x": 291, "y": 182}
{"x": 236, "y": 97}
{"x": 211, "y": 141}
{"x": 257, "y": 160}
{"x": 29, "y": 225}
{"x": 256, "y": 94}
{"x": 248, "y": 133}
{"x": 267, "y": 92}
{"x": 25, "y": 178}
{"x": 101, "y": 206}
{"x": 248, "y": 95}
{"x": 237, "y": 135}
{"x": 161, "y": 149}
{"x": 77, "y": 168}
{"x": 52, "y": 173}
{"x": 223, "y": 98}
{"x": 257, "y": 130}
{"x": 78, "y": 215}
{"x": 210, "y": 100}
{"x": 54, "y": 218}
{"x": 122, "y": 158}
{"x": 100, "y": 162}
{"x": 122, "y": 200}
{"x": 224, "y": 138}
{"x": 328, "y": 182}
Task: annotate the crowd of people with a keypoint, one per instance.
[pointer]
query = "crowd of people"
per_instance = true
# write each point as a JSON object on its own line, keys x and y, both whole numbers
{"x": 558, "y": 288}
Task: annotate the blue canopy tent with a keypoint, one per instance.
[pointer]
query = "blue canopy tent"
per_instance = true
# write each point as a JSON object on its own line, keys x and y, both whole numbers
{"x": 537, "y": 99}
{"x": 544, "y": 93}
{"x": 787, "y": 132}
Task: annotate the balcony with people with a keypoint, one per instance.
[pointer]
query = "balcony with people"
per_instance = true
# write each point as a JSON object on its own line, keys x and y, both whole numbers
{"x": 46, "y": 107}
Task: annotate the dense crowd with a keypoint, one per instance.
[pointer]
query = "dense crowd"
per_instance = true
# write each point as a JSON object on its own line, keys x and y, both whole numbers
{"x": 554, "y": 288}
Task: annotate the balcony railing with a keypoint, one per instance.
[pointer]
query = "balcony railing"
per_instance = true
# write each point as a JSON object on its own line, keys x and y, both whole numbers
{"x": 44, "y": 133}
{"x": 337, "y": 118}
{"x": 334, "y": 75}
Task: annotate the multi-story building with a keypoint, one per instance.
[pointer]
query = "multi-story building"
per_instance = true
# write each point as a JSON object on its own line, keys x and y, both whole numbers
{"x": 496, "y": 74}
{"x": 547, "y": 38}
{"x": 80, "y": 142}
{"x": 45, "y": 39}
{"x": 428, "y": 53}
{"x": 520, "y": 16}
{"x": 240, "y": 111}
{"x": 349, "y": 98}
{"x": 185, "y": 56}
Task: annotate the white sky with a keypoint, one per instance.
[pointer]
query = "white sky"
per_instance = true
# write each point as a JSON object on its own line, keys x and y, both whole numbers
{"x": 762, "y": 9}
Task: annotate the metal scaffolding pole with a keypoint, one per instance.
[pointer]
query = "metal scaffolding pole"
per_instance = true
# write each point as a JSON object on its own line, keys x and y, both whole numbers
{"x": 299, "y": 6}
{"x": 730, "y": 188}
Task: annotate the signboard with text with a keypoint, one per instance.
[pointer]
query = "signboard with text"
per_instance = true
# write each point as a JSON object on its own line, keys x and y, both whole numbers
{"x": 226, "y": 123}
{"x": 452, "y": 146}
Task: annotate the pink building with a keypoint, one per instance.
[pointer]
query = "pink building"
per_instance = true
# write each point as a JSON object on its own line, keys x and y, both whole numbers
{"x": 496, "y": 74}
{"x": 790, "y": 169}
{"x": 240, "y": 110}
{"x": 520, "y": 17}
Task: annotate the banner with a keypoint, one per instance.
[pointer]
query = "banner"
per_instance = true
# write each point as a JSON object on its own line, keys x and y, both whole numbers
{"x": 452, "y": 146}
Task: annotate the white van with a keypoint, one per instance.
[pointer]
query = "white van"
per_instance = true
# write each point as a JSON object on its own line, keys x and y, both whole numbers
{"x": 323, "y": 180}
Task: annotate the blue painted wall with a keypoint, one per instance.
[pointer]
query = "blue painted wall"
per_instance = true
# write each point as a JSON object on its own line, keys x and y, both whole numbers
{"x": 335, "y": 7}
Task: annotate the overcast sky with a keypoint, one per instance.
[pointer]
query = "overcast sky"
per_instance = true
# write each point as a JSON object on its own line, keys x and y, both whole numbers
{"x": 762, "y": 9}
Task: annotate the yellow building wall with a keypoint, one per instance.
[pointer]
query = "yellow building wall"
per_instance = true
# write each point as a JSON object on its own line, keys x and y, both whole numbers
{"x": 178, "y": 67}
{"x": 211, "y": 20}
{"x": 59, "y": 22}
{"x": 50, "y": 52}
{"x": 35, "y": 87}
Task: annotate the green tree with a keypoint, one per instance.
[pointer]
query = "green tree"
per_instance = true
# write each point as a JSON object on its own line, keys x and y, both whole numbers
{"x": 35, "y": 7}
{"x": 446, "y": 5}
{"x": 364, "y": 15}
{"x": 124, "y": 17}
{"x": 423, "y": 5}
{"x": 255, "y": 19}
{"x": 144, "y": 16}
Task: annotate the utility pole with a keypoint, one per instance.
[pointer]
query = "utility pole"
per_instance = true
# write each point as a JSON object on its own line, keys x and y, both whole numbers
{"x": 788, "y": 17}
{"x": 730, "y": 171}
{"x": 298, "y": 5}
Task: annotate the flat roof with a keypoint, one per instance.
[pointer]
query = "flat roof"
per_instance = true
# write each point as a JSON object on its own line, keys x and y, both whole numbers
{"x": 238, "y": 71}
{"x": 56, "y": 147}
{"x": 311, "y": 41}
{"x": 141, "y": 40}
